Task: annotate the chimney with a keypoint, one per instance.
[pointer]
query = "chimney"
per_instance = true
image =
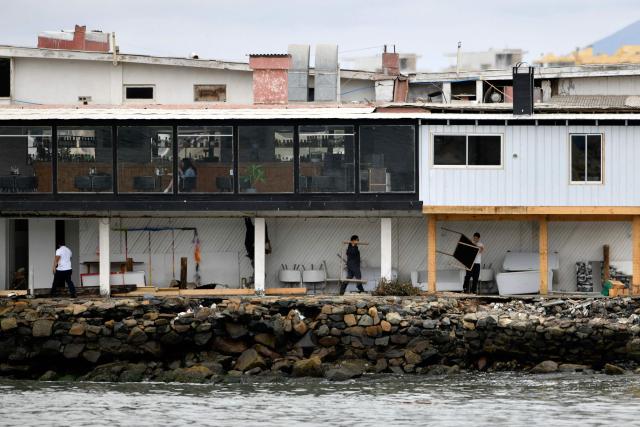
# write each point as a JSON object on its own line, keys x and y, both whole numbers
{"x": 270, "y": 78}
{"x": 390, "y": 62}
{"x": 522, "y": 90}
{"x": 80, "y": 39}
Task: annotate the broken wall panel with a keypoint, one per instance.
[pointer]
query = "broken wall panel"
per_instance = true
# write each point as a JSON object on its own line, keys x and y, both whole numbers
{"x": 326, "y": 73}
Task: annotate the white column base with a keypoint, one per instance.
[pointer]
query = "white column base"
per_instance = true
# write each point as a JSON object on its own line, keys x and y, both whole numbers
{"x": 386, "y": 248}
{"x": 259, "y": 255}
{"x": 104, "y": 261}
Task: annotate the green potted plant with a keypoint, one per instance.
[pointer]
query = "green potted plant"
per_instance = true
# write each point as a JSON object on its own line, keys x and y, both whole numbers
{"x": 254, "y": 174}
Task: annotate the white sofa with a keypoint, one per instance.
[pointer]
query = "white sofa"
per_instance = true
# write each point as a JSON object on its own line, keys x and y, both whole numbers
{"x": 521, "y": 273}
{"x": 446, "y": 280}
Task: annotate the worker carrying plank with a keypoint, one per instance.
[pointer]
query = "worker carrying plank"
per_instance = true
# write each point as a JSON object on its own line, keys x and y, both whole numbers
{"x": 353, "y": 265}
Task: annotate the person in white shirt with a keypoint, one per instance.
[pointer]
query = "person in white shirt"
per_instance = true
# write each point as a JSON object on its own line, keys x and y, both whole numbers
{"x": 62, "y": 270}
{"x": 474, "y": 273}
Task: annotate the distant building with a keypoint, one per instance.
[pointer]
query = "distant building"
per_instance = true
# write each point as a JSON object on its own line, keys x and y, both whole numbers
{"x": 78, "y": 39}
{"x": 621, "y": 47}
{"x": 373, "y": 63}
{"x": 492, "y": 59}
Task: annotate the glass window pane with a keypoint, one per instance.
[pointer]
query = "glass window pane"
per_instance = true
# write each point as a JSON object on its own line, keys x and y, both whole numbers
{"x": 326, "y": 159}
{"x": 145, "y": 159}
{"x": 594, "y": 158}
{"x": 484, "y": 150}
{"x": 578, "y": 158}
{"x": 265, "y": 159}
{"x": 449, "y": 150}
{"x": 206, "y": 159}
{"x": 85, "y": 159}
{"x": 25, "y": 164}
{"x": 387, "y": 156}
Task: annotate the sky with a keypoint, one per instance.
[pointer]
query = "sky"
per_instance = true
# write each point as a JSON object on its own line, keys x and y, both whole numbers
{"x": 231, "y": 29}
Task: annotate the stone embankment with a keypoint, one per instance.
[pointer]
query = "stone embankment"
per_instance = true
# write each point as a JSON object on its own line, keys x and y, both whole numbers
{"x": 202, "y": 340}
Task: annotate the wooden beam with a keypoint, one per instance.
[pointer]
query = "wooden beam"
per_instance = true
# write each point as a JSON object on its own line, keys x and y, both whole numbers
{"x": 543, "y": 249}
{"x": 431, "y": 253}
{"x": 533, "y": 210}
{"x": 285, "y": 291}
{"x": 635, "y": 249}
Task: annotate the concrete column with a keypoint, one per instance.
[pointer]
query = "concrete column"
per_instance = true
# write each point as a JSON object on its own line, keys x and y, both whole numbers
{"x": 446, "y": 92}
{"x": 386, "y": 249}
{"x": 479, "y": 91}
{"x": 635, "y": 254}
{"x": 4, "y": 276}
{"x": 259, "y": 255}
{"x": 72, "y": 241}
{"x": 104, "y": 261}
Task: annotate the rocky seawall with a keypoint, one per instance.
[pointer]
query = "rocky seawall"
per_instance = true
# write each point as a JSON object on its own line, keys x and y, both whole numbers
{"x": 203, "y": 340}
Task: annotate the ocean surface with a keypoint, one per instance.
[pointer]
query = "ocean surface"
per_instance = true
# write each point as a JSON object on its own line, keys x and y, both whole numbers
{"x": 468, "y": 399}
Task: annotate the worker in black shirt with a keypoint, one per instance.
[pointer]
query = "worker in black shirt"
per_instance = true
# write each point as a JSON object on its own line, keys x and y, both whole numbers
{"x": 353, "y": 264}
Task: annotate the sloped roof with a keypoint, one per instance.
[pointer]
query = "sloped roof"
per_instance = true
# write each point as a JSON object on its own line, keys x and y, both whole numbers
{"x": 629, "y": 35}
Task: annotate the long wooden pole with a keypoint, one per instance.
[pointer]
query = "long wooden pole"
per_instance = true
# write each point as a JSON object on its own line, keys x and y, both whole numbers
{"x": 431, "y": 252}
{"x": 544, "y": 255}
{"x": 635, "y": 241}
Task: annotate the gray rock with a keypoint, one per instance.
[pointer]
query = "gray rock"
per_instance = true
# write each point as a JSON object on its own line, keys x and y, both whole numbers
{"x": 48, "y": 376}
{"x": 137, "y": 336}
{"x": 345, "y": 370}
{"x": 546, "y": 367}
{"x": 202, "y": 338}
{"x": 611, "y": 369}
{"x": 236, "y": 330}
{"x": 311, "y": 367}
{"x": 73, "y": 350}
{"x": 572, "y": 367}
{"x": 91, "y": 356}
{"x": 133, "y": 373}
{"x": 42, "y": 328}
{"x": 322, "y": 331}
{"x": 365, "y": 320}
{"x": 393, "y": 318}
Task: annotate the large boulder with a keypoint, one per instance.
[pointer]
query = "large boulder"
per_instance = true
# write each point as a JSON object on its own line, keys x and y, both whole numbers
{"x": 249, "y": 359}
{"x": 346, "y": 370}
{"x": 311, "y": 367}
{"x": 42, "y": 328}
{"x": 228, "y": 345}
{"x": 546, "y": 367}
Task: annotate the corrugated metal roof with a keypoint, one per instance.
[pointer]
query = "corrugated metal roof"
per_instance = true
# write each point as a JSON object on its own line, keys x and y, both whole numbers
{"x": 591, "y": 101}
{"x": 42, "y": 113}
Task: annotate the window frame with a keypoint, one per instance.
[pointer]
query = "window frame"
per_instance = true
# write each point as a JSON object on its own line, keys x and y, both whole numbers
{"x": 139, "y": 100}
{"x": 466, "y": 165}
{"x": 195, "y": 92}
{"x": 602, "y": 158}
{"x": 414, "y": 164}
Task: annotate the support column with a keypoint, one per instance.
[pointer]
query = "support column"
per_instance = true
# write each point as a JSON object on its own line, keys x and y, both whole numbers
{"x": 544, "y": 255}
{"x": 259, "y": 255}
{"x": 446, "y": 92}
{"x": 479, "y": 91}
{"x": 104, "y": 261}
{"x": 386, "y": 250}
{"x": 635, "y": 242}
{"x": 431, "y": 253}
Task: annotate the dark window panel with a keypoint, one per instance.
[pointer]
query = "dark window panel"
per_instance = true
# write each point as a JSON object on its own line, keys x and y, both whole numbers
{"x": 449, "y": 150}
{"x": 387, "y": 158}
{"x": 85, "y": 159}
{"x": 25, "y": 163}
{"x": 578, "y": 158}
{"x": 594, "y": 158}
{"x": 139, "y": 92}
{"x": 145, "y": 159}
{"x": 484, "y": 150}
{"x": 205, "y": 159}
{"x": 5, "y": 77}
{"x": 327, "y": 159}
{"x": 265, "y": 155}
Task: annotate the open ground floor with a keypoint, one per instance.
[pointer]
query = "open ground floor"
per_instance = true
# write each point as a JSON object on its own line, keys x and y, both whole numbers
{"x": 306, "y": 250}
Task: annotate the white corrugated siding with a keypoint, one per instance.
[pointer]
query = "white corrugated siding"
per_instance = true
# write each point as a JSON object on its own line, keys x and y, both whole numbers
{"x": 314, "y": 240}
{"x": 539, "y": 175}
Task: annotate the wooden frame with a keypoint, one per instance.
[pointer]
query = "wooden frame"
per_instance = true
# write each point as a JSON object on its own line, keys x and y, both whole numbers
{"x": 432, "y": 147}
{"x": 602, "y": 158}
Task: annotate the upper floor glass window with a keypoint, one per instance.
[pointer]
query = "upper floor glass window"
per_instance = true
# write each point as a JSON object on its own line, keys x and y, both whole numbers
{"x": 387, "y": 158}
{"x": 25, "y": 163}
{"x": 145, "y": 159}
{"x": 85, "y": 159}
{"x": 326, "y": 159}
{"x": 265, "y": 155}
{"x": 205, "y": 159}
{"x": 467, "y": 150}
{"x": 586, "y": 158}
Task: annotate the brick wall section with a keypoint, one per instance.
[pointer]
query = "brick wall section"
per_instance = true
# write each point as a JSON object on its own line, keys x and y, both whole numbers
{"x": 270, "y": 78}
{"x": 79, "y": 42}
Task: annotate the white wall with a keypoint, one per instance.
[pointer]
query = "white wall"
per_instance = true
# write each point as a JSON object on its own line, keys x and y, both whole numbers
{"x": 539, "y": 175}
{"x": 174, "y": 85}
{"x": 615, "y": 85}
{"x": 42, "y": 249}
{"x": 51, "y": 81}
